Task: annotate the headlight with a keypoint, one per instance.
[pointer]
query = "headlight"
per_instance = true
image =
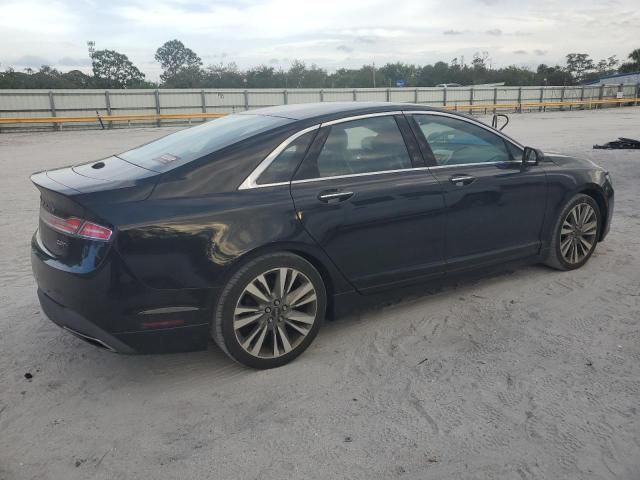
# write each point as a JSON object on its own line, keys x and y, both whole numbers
{"x": 607, "y": 175}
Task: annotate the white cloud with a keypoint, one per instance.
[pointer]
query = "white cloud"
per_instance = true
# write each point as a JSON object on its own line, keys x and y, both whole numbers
{"x": 333, "y": 34}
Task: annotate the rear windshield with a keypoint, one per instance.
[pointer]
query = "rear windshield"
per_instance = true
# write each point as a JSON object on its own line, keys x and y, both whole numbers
{"x": 186, "y": 145}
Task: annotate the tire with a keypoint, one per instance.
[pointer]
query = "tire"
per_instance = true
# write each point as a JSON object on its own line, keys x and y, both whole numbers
{"x": 256, "y": 300}
{"x": 560, "y": 255}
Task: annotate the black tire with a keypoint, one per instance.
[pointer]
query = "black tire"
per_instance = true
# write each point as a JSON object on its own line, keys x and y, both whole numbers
{"x": 555, "y": 258}
{"x": 222, "y": 327}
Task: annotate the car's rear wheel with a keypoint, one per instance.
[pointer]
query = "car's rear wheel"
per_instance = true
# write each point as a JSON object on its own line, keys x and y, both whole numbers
{"x": 270, "y": 311}
{"x": 576, "y": 234}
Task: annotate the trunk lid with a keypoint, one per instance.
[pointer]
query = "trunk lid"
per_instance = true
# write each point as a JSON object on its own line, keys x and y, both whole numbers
{"x": 74, "y": 226}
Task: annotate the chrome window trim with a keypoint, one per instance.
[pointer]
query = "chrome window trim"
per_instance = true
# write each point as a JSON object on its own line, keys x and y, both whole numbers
{"x": 465, "y": 119}
{"x": 360, "y": 117}
{"x": 250, "y": 181}
{"x": 334, "y": 177}
{"x": 453, "y": 165}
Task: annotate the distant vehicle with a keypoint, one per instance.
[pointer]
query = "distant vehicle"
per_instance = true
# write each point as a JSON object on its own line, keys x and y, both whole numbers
{"x": 448, "y": 85}
{"x": 248, "y": 228}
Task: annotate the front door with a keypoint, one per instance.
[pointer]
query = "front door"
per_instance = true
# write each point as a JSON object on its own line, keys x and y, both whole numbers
{"x": 495, "y": 203}
{"x": 376, "y": 212}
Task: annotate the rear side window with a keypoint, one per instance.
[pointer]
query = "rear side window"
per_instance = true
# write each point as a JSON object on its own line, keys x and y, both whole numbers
{"x": 372, "y": 144}
{"x": 455, "y": 142}
{"x": 187, "y": 145}
{"x": 283, "y": 166}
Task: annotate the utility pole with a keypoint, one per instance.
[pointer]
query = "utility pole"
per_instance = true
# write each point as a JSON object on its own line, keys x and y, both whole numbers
{"x": 373, "y": 74}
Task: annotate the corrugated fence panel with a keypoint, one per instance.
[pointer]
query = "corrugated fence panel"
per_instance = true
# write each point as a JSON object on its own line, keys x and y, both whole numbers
{"x": 85, "y": 102}
{"x": 339, "y": 95}
{"x": 35, "y": 102}
{"x": 265, "y": 98}
{"x": 431, "y": 96}
{"x": 304, "y": 96}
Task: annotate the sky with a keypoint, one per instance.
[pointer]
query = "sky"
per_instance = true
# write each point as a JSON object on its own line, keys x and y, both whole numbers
{"x": 331, "y": 34}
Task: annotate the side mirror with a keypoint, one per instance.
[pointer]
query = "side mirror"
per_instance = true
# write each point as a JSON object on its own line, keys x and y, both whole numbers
{"x": 532, "y": 156}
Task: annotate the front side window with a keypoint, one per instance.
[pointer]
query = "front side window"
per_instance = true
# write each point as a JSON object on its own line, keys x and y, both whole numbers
{"x": 455, "y": 142}
{"x": 372, "y": 144}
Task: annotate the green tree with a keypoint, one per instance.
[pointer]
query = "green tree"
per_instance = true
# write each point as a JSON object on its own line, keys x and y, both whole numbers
{"x": 579, "y": 64}
{"x": 634, "y": 64}
{"x": 114, "y": 70}
{"x": 173, "y": 57}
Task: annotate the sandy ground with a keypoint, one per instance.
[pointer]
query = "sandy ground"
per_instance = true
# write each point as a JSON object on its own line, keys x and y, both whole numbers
{"x": 530, "y": 374}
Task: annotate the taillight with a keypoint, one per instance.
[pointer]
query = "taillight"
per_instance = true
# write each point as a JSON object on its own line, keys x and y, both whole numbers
{"x": 75, "y": 226}
{"x": 94, "y": 231}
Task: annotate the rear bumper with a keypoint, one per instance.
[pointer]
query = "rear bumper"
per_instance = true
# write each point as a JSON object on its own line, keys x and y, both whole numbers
{"x": 166, "y": 340}
{"x": 109, "y": 308}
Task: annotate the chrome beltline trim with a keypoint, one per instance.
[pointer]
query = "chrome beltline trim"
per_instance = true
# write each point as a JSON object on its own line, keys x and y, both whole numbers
{"x": 319, "y": 179}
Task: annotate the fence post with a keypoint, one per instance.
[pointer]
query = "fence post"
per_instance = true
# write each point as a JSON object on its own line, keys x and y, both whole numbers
{"x": 519, "y": 107}
{"x": 621, "y": 90}
{"x": 52, "y": 106}
{"x": 107, "y": 103}
{"x": 203, "y": 102}
{"x": 495, "y": 98}
{"x": 157, "y": 95}
{"x": 562, "y": 97}
{"x": 285, "y": 96}
{"x": 246, "y": 99}
{"x": 582, "y": 98}
{"x": 471, "y": 96}
{"x": 321, "y": 95}
{"x": 415, "y": 95}
{"x": 388, "y": 95}
{"x": 637, "y": 93}
{"x": 600, "y": 95}
{"x": 444, "y": 97}
{"x": 541, "y": 98}
{"x": 355, "y": 99}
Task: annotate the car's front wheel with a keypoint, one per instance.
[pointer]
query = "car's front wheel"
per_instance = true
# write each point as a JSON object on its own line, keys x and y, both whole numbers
{"x": 575, "y": 234}
{"x": 270, "y": 311}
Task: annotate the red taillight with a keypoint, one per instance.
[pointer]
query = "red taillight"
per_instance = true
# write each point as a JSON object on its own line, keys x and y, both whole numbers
{"x": 94, "y": 231}
{"x": 75, "y": 226}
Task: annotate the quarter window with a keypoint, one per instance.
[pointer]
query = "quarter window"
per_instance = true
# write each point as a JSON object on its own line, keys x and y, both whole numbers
{"x": 282, "y": 167}
{"x": 455, "y": 142}
{"x": 372, "y": 144}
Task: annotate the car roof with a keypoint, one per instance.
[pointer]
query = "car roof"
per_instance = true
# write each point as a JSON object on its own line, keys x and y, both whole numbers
{"x": 330, "y": 110}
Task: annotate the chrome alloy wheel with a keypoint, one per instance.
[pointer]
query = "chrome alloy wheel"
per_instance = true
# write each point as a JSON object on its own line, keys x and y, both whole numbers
{"x": 275, "y": 312}
{"x": 578, "y": 233}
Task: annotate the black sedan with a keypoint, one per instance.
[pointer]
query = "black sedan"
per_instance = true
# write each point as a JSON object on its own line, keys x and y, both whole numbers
{"x": 250, "y": 228}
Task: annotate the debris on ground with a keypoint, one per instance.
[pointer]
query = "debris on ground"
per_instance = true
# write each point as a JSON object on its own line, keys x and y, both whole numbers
{"x": 620, "y": 144}
{"x": 28, "y": 376}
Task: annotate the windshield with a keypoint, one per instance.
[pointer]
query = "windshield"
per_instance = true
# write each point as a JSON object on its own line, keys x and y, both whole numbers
{"x": 187, "y": 145}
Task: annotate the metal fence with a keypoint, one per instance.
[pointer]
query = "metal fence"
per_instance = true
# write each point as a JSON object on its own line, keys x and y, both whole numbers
{"x": 79, "y": 103}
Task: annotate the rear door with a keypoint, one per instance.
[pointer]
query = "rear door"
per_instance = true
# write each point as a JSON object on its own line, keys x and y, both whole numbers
{"x": 495, "y": 203}
{"x": 364, "y": 194}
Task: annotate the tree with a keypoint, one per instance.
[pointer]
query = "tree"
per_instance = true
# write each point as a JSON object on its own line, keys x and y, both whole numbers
{"x": 634, "y": 64}
{"x": 173, "y": 57}
{"x": 578, "y": 64}
{"x": 114, "y": 70}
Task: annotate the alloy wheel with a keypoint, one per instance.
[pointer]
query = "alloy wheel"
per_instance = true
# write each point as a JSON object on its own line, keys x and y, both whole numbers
{"x": 578, "y": 233}
{"x": 275, "y": 312}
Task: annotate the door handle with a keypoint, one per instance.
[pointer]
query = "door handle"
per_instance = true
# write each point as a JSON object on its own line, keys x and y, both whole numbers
{"x": 334, "y": 196}
{"x": 460, "y": 180}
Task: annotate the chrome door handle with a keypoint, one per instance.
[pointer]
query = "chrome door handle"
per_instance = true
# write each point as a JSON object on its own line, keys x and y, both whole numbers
{"x": 334, "y": 196}
{"x": 460, "y": 180}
